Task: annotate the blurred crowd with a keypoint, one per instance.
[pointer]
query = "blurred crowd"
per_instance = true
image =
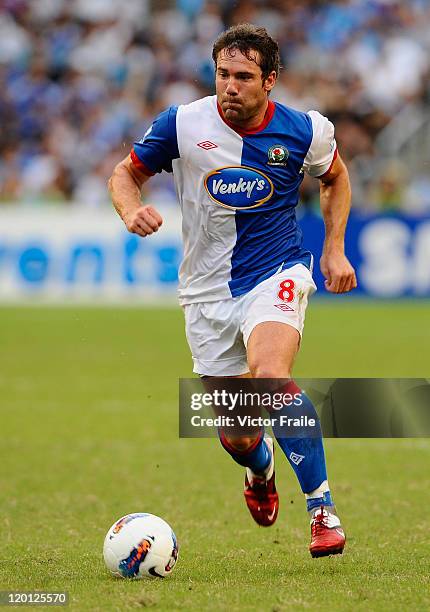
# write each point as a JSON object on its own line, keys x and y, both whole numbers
{"x": 82, "y": 79}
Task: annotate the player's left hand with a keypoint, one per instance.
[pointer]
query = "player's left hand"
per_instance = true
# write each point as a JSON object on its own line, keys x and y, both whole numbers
{"x": 338, "y": 273}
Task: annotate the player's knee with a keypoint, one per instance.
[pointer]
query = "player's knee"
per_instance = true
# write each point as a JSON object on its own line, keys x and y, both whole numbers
{"x": 240, "y": 444}
{"x": 260, "y": 369}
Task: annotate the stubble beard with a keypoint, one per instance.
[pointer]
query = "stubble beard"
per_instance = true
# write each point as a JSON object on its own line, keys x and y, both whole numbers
{"x": 240, "y": 115}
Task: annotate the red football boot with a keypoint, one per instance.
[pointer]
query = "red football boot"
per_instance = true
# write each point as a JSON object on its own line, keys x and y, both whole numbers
{"x": 327, "y": 535}
{"x": 260, "y": 493}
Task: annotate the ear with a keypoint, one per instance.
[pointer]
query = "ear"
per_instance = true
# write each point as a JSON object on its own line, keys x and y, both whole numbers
{"x": 269, "y": 82}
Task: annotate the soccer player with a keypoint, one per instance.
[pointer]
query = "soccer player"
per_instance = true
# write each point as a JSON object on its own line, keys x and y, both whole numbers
{"x": 238, "y": 160}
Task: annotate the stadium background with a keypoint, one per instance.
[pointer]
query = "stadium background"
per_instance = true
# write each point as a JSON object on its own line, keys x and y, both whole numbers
{"x": 83, "y": 80}
{"x": 89, "y": 389}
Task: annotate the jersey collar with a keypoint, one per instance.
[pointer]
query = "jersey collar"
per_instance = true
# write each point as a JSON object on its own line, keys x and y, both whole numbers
{"x": 242, "y": 132}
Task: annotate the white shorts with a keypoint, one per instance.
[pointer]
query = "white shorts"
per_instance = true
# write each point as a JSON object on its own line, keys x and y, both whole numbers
{"x": 218, "y": 332}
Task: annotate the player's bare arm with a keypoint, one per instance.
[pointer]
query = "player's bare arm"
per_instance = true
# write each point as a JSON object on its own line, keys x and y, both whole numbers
{"x": 335, "y": 201}
{"x": 125, "y": 186}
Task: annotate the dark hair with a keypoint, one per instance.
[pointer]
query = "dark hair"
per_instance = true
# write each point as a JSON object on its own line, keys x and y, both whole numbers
{"x": 246, "y": 37}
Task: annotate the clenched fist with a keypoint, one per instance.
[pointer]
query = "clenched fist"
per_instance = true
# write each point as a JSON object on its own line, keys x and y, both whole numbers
{"x": 338, "y": 273}
{"x": 143, "y": 221}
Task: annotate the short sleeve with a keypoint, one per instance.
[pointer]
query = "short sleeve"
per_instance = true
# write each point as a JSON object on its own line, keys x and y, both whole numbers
{"x": 159, "y": 146}
{"x": 323, "y": 149}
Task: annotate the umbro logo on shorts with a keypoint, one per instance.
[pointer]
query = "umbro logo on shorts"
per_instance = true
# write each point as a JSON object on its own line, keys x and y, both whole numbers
{"x": 207, "y": 144}
{"x": 284, "y": 307}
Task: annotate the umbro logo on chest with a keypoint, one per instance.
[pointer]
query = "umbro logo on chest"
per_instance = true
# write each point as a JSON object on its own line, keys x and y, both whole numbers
{"x": 207, "y": 145}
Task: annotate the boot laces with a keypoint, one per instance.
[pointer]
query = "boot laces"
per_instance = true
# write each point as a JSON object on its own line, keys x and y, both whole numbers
{"x": 261, "y": 486}
{"x": 319, "y": 523}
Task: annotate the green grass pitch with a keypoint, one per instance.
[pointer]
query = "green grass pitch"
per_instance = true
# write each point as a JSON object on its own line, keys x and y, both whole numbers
{"x": 89, "y": 433}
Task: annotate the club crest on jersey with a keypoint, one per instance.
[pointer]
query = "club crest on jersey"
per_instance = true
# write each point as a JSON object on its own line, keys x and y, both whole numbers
{"x": 278, "y": 155}
{"x": 238, "y": 187}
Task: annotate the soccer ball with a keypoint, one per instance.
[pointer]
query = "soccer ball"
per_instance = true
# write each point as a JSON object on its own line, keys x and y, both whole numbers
{"x": 140, "y": 545}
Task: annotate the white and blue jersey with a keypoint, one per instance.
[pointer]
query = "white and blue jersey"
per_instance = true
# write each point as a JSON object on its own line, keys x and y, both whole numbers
{"x": 237, "y": 190}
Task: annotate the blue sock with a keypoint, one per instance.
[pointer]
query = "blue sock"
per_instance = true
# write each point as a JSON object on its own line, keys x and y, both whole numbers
{"x": 257, "y": 457}
{"x": 306, "y": 451}
{"x": 317, "y": 502}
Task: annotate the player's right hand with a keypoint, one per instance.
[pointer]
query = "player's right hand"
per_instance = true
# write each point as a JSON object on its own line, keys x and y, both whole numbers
{"x": 143, "y": 221}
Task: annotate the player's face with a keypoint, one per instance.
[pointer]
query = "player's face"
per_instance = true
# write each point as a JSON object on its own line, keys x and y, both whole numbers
{"x": 240, "y": 88}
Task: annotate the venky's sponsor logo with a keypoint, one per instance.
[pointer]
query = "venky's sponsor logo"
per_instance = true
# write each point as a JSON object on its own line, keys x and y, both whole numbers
{"x": 238, "y": 187}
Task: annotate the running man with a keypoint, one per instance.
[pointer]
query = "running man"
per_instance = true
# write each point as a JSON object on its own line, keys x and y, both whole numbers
{"x": 238, "y": 160}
